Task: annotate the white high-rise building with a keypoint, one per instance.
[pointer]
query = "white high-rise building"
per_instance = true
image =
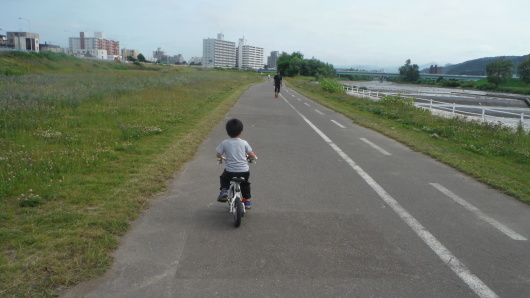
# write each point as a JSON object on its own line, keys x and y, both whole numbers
{"x": 249, "y": 56}
{"x": 219, "y": 52}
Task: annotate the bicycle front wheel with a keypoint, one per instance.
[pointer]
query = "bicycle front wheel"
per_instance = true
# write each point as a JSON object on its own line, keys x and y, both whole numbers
{"x": 238, "y": 212}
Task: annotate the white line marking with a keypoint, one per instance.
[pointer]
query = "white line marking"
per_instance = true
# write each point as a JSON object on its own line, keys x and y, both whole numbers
{"x": 375, "y": 146}
{"x": 338, "y": 124}
{"x": 299, "y": 98}
{"x": 293, "y": 95}
{"x": 319, "y": 112}
{"x": 504, "y": 229}
{"x": 436, "y": 246}
{"x": 306, "y": 104}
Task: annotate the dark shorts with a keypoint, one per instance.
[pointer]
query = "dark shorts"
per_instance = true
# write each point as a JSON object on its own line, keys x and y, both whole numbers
{"x": 277, "y": 87}
{"x": 245, "y": 186}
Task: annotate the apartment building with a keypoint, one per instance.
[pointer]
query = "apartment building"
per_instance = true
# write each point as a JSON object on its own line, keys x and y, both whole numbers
{"x": 96, "y": 47}
{"x": 249, "y": 56}
{"x": 219, "y": 52}
{"x": 22, "y": 41}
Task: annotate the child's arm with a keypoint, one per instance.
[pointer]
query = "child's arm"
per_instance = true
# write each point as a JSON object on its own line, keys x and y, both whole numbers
{"x": 252, "y": 155}
{"x": 218, "y": 155}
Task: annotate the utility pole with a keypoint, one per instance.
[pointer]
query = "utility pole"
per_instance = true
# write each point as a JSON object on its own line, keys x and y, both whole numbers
{"x": 30, "y": 38}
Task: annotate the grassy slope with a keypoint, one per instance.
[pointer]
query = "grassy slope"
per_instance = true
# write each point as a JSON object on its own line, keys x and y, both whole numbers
{"x": 103, "y": 157}
{"x": 495, "y": 156}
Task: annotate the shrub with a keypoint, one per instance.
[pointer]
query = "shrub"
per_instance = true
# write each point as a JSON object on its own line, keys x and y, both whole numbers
{"x": 485, "y": 86}
{"x": 468, "y": 84}
{"x": 11, "y": 72}
{"x": 450, "y": 83}
{"x": 331, "y": 86}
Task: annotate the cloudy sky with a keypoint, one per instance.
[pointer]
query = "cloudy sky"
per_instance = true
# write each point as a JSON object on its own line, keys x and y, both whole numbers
{"x": 380, "y": 33}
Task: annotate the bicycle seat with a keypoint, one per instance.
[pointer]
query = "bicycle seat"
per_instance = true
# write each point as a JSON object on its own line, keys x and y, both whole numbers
{"x": 236, "y": 179}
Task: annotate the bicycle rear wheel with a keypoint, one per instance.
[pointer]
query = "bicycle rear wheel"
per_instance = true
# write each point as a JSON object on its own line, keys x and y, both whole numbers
{"x": 238, "y": 212}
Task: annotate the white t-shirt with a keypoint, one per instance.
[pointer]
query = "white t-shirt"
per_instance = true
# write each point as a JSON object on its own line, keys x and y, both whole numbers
{"x": 235, "y": 150}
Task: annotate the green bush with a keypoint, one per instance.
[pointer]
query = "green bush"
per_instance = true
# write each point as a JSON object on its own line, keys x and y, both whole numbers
{"x": 11, "y": 72}
{"x": 427, "y": 82}
{"x": 485, "y": 86}
{"x": 450, "y": 83}
{"x": 468, "y": 84}
{"x": 331, "y": 86}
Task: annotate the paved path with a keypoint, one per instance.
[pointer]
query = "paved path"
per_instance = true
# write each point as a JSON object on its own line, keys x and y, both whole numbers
{"x": 339, "y": 211}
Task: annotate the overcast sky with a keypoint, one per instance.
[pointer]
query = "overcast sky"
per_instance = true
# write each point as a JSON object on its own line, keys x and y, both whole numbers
{"x": 381, "y": 33}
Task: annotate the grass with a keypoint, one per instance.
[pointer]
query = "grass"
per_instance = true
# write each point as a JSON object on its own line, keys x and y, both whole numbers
{"x": 84, "y": 145}
{"x": 495, "y": 155}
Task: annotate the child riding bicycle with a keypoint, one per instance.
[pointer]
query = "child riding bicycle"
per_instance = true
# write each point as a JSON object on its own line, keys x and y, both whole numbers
{"x": 235, "y": 150}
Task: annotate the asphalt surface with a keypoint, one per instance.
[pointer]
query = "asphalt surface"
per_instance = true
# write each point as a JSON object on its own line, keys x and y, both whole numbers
{"x": 338, "y": 211}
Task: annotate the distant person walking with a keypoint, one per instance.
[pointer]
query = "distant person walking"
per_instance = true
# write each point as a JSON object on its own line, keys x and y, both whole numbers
{"x": 277, "y": 84}
{"x": 268, "y": 77}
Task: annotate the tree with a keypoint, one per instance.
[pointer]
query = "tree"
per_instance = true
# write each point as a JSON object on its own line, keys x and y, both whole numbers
{"x": 524, "y": 70}
{"x": 499, "y": 71}
{"x": 295, "y": 64}
{"x": 409, "y": 73}
{"x": 141, "y": 58}
{"x": 295, "y": 67}
{"x": 290, "y": 65}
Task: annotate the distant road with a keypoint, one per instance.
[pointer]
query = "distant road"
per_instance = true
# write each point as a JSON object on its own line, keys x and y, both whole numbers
{"x": 339, "y": 211}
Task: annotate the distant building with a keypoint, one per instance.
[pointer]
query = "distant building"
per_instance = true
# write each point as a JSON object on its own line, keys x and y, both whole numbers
{"x": 179, "y": 59}
{"x": 219, "y": 52}
{"x": 50, "y": 48}
{"x": 436, "y": 70}
{"x": 129, "y": 53}
{"x": 272, "y": 60}
{"x": 160, "y": 56}
{"x": 22, "y": 41}
{"x": 249, "y": 56}
{"x": 195, "y": 60}
{"x": 94, "y": 47}
{"x": 3, "y": 41}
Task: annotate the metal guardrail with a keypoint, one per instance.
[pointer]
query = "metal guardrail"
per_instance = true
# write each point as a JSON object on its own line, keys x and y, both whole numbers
{"x": 484, "y": 114}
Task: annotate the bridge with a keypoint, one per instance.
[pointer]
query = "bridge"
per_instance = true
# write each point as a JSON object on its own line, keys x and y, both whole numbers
{"x": 422, "y": 75}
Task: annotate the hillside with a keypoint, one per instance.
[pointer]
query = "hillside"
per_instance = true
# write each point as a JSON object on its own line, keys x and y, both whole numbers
{"x": 476, "y": 66}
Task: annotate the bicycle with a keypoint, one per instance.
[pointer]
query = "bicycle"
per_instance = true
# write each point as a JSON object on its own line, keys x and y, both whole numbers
{"x": 235, "y": 198}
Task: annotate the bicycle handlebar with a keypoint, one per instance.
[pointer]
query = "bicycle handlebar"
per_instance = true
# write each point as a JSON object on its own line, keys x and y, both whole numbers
{"x": 249, "y": 159}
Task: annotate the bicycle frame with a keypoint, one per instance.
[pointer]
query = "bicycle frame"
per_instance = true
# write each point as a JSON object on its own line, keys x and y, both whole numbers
{"x": 233, "y": 192}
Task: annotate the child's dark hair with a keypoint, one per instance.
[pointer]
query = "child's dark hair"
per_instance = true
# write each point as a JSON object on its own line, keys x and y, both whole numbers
{"x": 234, "y": 127}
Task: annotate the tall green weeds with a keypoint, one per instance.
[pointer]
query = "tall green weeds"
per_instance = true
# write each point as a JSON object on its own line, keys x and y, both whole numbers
{"x": 82, "y": 148}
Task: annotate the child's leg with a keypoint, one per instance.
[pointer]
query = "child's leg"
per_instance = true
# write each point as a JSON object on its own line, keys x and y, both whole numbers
{"x": 245, "y": 186}
{"x": 225, "y": 180}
